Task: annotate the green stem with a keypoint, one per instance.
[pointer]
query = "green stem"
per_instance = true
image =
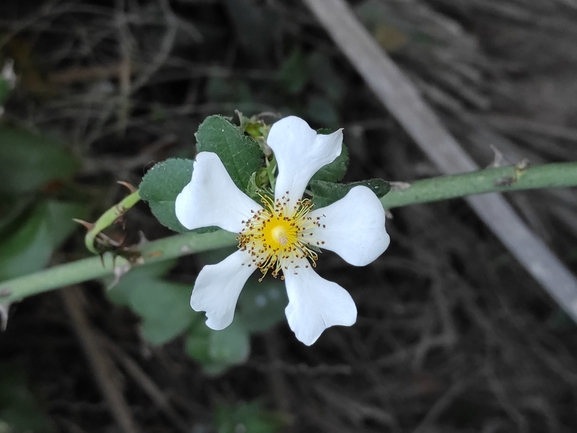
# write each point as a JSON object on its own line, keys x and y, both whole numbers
{"x": 500, "y": 179}
{"x": 108, "y": 218}
{"x": 95, "y": 267}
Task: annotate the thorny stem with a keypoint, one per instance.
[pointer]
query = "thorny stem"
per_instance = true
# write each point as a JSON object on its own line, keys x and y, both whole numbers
{"x": 108, "y": 218}
{"x": 499, "y": 179}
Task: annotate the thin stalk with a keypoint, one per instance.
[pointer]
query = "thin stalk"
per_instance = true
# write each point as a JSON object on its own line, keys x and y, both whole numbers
{"x": 499, "y": 179}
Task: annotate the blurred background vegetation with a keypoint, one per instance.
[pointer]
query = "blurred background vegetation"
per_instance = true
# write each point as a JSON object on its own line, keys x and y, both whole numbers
{"x": 453, "y": 335}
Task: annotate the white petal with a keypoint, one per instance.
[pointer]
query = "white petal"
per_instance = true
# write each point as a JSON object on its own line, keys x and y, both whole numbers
{"x": 300, "y": 152}
{"x": 212, "y": 199}
{"x": 355, "y": 227}
{"x": 316, "y": 304}
{"x": 217, "y": 288}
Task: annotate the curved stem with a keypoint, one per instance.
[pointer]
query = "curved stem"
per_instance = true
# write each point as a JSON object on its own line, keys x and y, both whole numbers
{"x": 107, "y": 219}
{"x": 499, "y": 179}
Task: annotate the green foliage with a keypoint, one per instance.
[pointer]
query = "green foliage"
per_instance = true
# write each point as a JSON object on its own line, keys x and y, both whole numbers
{"x": 161, "y": 185}
{"x": 247, "y": 417}
{"x": 216, "y": 351}
{"x": 28, "y": 161}
{"x": 19, "y": 410}
{"x": 162, "y": 305}
{"x": 164, "y": 309}
{"x": 262, "y": 304}
{"x": 27, "y": 243}
{"x": 240, "y": 154}
{"x": 5, "y": 89}
{"x": 325, "y": 193}
{"x": 322, "y": 110}
{"x": 224, "y": 90}
{"x": 325, "y": 77}
{"x": 293, "y": 75}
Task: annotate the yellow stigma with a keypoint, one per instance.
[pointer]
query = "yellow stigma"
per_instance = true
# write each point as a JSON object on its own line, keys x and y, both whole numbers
{"x": 276, "y": 237}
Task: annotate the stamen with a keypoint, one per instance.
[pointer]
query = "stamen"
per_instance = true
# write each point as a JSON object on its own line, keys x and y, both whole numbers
{"x": 276, "y": 237}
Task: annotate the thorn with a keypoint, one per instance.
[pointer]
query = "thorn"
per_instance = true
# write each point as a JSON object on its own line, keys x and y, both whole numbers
{"x": 107, "y": 240}
{"x": 88, "y": 226}
{"x": 130, "y": 187}
{"x": 120, "y": 220}
{"x": 498, "y": 158}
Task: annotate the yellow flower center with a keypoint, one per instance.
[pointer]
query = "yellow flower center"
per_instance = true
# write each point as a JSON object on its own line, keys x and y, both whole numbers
{"x": 276, "y": 237}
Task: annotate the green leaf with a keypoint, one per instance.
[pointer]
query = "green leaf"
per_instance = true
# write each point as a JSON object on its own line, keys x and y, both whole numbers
{"x": 5, "y": 89}
{"x": 262, "y": 304}
{"x": 240, "y": 154}
{"x": 29, "y": 161}
{"x": 322, "y": 110}
{"x": 325, "y": 193}
{"x": 163, "y": 306}
{"x": 225, "y": 90}
{"x": 293, "y": 75}
{"x": 19, "y": 409}
{"x": 325, "y": 77}
{"x": 231, "y": 345}
{"x": 216, "y": 351}
{"x": 336, "y": 170}
{"x": 121, "y": 293}
{"x": 160, "y": 186}
{"x": 27, "y": 244}
{"x": 248, "y": 417}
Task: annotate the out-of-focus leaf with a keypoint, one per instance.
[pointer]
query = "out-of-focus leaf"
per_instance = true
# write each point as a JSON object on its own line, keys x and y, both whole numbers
{"x": 322, "y": 110}
{"x": 5, "y": 89}
{"x": 160, "y": 186}
{"x": 216, "y": 351}
{"x": 262, "y": 304}
{"x": 19, "y": 410}
{"x": 293, "y": 75}
{"x": 251, "y": 22}
{"x": 29, "y": 161}
{"x": 26, "y": 246}
{"x": 163, "y": 306}
{"x": 228, "y": 90}
{"x": 247, "y": 417}
{"x": 325, "y": 77}
{"x": 389, "y": 28}
{"x": 240, "y": 154}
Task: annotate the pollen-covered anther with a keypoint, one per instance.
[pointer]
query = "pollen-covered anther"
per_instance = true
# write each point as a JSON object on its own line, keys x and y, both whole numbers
{"x": 277, "y": 236}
